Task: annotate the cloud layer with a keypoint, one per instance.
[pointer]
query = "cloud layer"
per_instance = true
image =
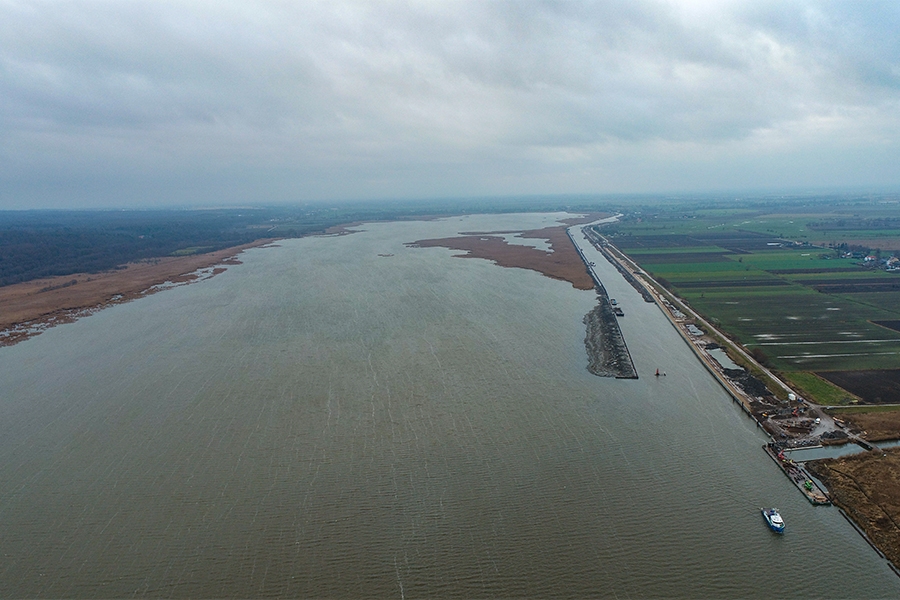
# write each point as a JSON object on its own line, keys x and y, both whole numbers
{"x": 194, "y": 102}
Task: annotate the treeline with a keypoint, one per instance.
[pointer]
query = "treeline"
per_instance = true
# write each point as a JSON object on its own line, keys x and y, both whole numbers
{"x": 852, "y": 224}
{"x": 36, "y": 244}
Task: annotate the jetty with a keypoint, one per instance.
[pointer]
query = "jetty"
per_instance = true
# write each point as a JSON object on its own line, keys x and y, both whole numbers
{"x": 798, "y": 475}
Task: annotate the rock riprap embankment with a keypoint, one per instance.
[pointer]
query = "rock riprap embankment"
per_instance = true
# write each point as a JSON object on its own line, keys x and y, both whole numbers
{"x": 608, "y": 355}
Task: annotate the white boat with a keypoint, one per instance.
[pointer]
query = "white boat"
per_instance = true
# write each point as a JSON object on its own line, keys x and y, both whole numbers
{"x": 773, "y": 519}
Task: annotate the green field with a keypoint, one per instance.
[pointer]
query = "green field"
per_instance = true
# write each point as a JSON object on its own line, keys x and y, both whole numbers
{"x": 806, "y": 308}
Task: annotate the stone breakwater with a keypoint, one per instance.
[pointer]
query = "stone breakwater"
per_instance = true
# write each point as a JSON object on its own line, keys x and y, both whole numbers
{"x": 608, "y": 355}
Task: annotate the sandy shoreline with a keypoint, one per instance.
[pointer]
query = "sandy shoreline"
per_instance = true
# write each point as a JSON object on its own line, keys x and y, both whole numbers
{"x": 27, "y": 309}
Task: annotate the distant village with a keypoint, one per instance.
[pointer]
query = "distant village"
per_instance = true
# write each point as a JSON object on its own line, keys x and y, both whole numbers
{"x": 873, "y": 261}
{"x": 868, "y": 258}
{"x": 863, "y": 255}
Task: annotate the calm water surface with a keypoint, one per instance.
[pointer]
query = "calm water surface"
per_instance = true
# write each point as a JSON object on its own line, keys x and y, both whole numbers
{"x": 324, "y": 421}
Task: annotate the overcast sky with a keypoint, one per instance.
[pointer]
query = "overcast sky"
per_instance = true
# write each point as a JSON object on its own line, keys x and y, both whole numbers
{"x": 153, "y": 103}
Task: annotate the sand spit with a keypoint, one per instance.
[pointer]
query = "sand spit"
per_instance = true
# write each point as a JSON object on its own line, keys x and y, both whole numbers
{"x": 27, "y": 309}
{"x": 562, "y": 262}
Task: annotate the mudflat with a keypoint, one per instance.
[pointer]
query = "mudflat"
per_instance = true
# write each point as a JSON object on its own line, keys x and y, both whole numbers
{"x": 562, "y": 262}
{"x": 28, "y": 308}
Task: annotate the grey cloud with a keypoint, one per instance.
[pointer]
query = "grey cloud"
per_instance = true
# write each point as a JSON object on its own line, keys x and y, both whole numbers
{"x": 289, "y": 99}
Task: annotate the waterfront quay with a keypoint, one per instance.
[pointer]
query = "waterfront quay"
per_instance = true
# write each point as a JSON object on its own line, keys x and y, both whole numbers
{"x": 798, "y": 475}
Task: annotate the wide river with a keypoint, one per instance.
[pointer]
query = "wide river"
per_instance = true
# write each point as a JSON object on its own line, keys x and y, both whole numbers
{"x": 349, "y": 417}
